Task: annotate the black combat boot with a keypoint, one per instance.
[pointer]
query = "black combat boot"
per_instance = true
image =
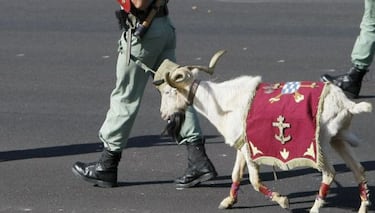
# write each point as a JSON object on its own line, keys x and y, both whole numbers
{"x": 200, "y": 168}
{"x": 102, "y": 173}
{"x": 350, "y": 82}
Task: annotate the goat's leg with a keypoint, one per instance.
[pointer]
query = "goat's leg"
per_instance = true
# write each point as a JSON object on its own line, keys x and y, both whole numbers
{"x": 328, "y": 174}
{"x": 237, "y": 174}
{"x": 253, "y": 170}
{"x": 358, "y": 171}
{"x": 260, "y": 187}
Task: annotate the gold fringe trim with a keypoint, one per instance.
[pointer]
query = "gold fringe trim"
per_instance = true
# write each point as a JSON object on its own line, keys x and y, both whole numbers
{"x": 243, "y": 139}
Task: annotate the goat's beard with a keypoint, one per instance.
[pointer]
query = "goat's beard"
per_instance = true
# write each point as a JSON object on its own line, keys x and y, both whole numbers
{"x": 174, "y": 125}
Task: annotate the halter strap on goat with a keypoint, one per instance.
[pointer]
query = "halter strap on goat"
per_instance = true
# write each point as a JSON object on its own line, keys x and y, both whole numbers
{"x": 165, "y": 67}
{"x": 192, "y": 91}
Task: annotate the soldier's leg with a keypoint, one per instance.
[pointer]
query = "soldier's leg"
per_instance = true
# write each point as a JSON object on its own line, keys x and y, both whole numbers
{"x": 362, "y": 55}
{"x": 200, "y": 168}
{"x": 126, "y": 99}
{"x": 124, "y": 105}
{"x": 363, "y": 50}
{"x": 132, "y": 80}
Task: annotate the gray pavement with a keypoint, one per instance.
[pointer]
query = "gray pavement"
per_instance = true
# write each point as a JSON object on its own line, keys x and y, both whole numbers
{"x": 57, "y": 62}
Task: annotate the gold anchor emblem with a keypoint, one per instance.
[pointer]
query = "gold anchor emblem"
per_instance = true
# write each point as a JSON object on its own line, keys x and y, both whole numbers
{"x": 281, "y": 125}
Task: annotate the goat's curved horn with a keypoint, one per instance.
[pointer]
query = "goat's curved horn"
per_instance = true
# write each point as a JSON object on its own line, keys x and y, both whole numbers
{"x": 170, "y": 81}
{"x": 178, "y": 79}
{"x": 211, "y": 67}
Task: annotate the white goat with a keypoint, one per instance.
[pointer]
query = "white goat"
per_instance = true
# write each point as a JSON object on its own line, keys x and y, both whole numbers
{"x": 227, "y": 103}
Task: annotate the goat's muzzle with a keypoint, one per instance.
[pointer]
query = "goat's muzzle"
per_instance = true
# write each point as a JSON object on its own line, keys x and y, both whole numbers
{"x": 173, "y": 128}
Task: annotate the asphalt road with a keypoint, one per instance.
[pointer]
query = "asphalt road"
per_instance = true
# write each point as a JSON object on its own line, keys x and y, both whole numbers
{"x": 57, "y": 69}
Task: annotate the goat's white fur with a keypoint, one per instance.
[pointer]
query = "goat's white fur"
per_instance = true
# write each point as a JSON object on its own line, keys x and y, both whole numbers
{"x": 211, "y": 100}
{"x": 225, "y": 105}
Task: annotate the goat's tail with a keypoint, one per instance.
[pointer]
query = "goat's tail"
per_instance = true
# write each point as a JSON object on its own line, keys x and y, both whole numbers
{"x": 360, "y": 107}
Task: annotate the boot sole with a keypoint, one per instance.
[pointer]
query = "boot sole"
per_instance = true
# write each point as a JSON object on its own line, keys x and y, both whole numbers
{"x": 98, "y": 183}
{"x": 197, "y": 181}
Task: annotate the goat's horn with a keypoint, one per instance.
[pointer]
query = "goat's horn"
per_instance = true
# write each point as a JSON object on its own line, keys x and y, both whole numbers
{"x": 170, "y": 81}
{"x": 178, "y": 78}
{"x": 210, "y": 69}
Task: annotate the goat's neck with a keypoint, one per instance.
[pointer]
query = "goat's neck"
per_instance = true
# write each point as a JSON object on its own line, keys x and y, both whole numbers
{"x": 208, "y": 101}
{"x": 224, "y": 104}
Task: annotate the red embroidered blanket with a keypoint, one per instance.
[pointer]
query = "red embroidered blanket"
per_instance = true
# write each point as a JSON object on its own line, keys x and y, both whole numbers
{"x": 281, "y": 126}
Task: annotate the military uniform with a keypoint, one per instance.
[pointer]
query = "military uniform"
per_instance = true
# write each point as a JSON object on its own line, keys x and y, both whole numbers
{"x": 157, "y": 44}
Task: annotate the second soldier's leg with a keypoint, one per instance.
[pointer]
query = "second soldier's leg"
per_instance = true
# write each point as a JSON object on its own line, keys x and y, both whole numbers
{"x": 363, "y": 50}
{"x": 361, "y": 57}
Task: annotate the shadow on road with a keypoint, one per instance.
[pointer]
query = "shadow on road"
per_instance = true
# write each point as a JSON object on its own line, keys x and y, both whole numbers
{"x": 76, "y": 149}
{"x": 366, "y": 96}
{"x": 46, "y": 152}
{"x": 339, "y": 196}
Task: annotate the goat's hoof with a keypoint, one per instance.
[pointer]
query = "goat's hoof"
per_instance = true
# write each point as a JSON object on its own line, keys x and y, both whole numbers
{"x": 313, "y": 210}
{"x": 317, "y": 205}
{"x": 283, "y": 201}
{"x": 227, "y": 203}
{"x": 364, "y": 205}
